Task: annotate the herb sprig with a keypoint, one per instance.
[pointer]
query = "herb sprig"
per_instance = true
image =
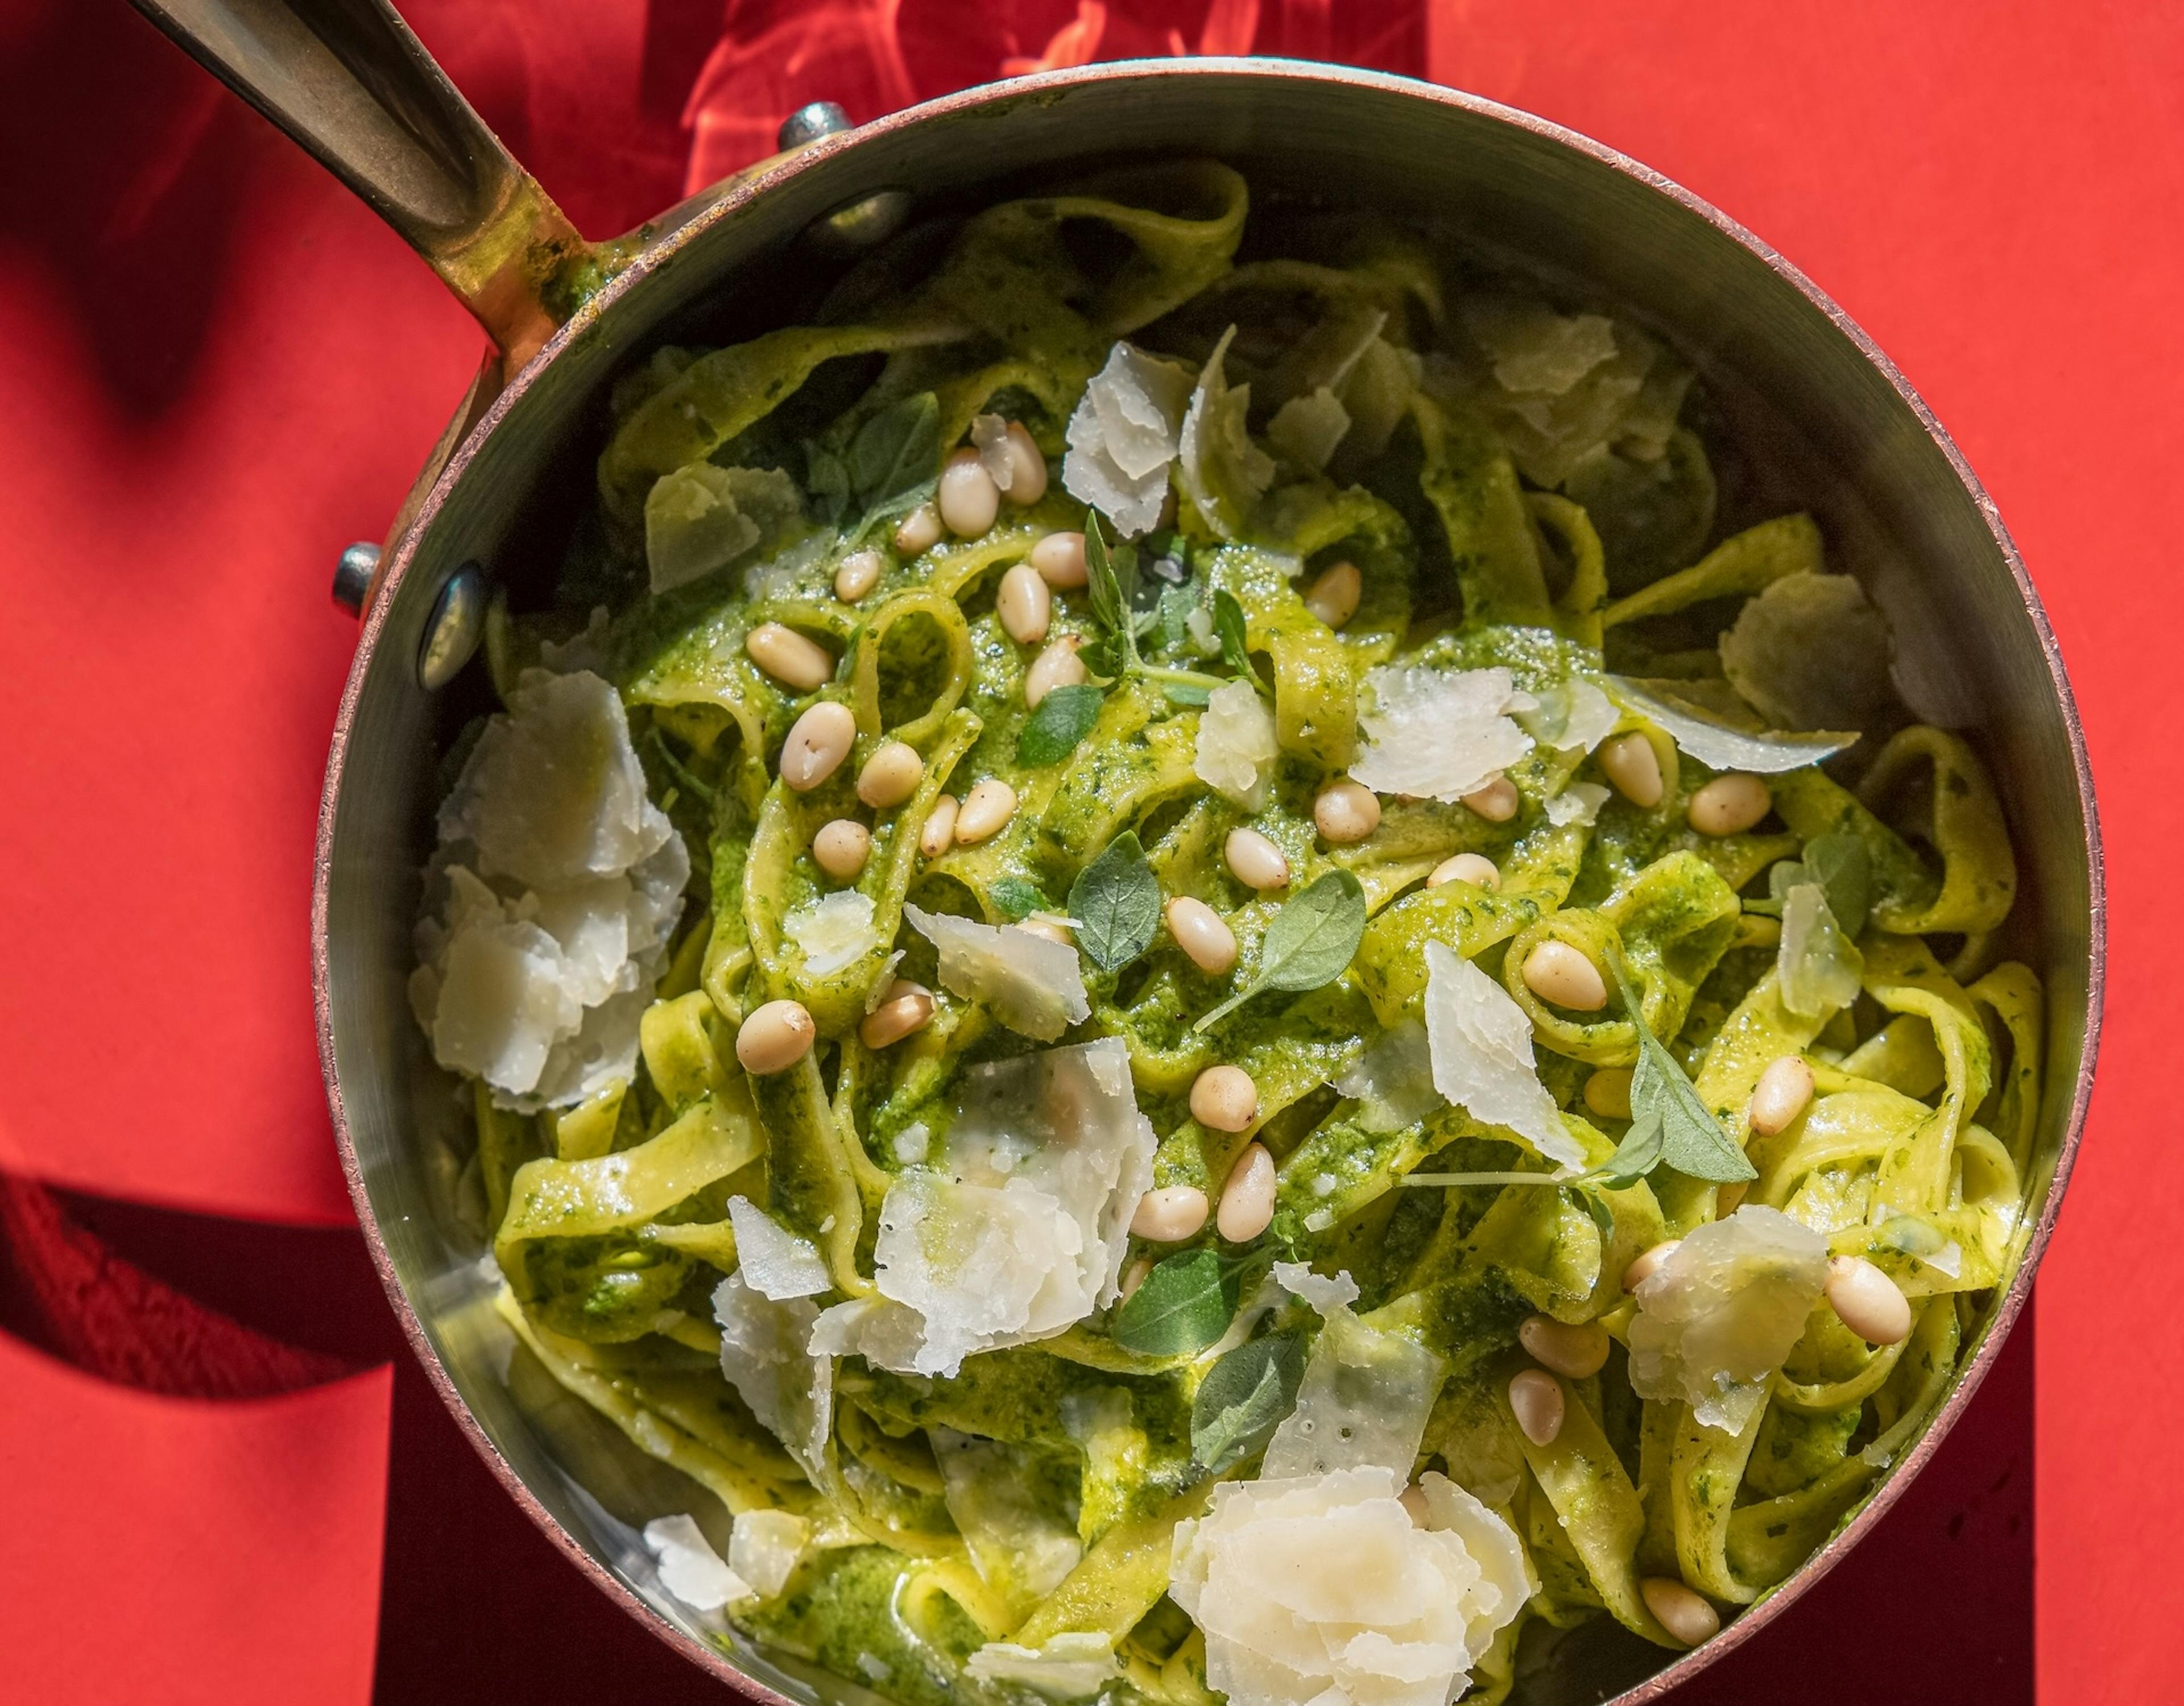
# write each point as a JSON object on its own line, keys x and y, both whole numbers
{"x": 1243, "y": 1399}
{"x": 1112, "y": 583}
{"x": 1309, "y": 945}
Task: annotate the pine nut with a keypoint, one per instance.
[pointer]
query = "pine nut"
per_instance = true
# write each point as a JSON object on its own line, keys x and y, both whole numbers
{"x": 1247, "y": 1200}
{"x": 1561, "y": 975}
{"x": 969, "y": 500}
{"x": 1648, "y": 1264}
{"x": 1574, "y": 1351}
{"x": 1060, "y": 560}
{"x": 841, "y": 848}
{"x": 1346, "y": 812}
{"x": 904, "y": 1008}
{"x": 1867, "y": 1301}
{"x": 1413, "y": 1499}
{"x": 1024, "y": 604}
{"x": 789, "y": 657}
{"x": 1170, "y": 1214}
{"x": 918, "y": 533}
{"x": 938, "y": 834}
{"x": 1607, "y": 1092}
{"x": 1728, "y": 1198}
{"x": 1475, "y": 868}
{"x": 817, "y": 743}
{"x": 1254, "y": 860}
{"x": 985, "y": 811}
{"x": 1334, "y": 596}
{"x": 1497, "y": 801}
{"x": 857, "y": 574}
{"x": 1729, "y": 805}
{"x": 1223, "y": 1098}
{"x": 1058, "y": 666}
{"x": 1047, "y": 929}
{"x": 1202, "y": 934}
{"x": 890, "y": 775}
{"x": 1632, "y": 767}
{"x": 774, "y": 1037}
{"x": 1134, "y": 1277}
{"x": 1781, "y": 1094}
{"x": 1682, "y": 1612}
{"x": 1027, "y": 467}
{"x": 1536, "y": 1399}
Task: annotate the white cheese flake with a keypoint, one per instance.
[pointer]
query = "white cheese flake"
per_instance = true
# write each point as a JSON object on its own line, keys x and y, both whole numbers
{"x": 767, "y": 1355}
{"x": 1816, "y": 968}
{"x": 1307, "y": 429}
{"x": 763, "y": 1547}
{"x": 1021, "y": 1544}
{"x": 1810, "y": 651}
{"x": 1572, "y": 718}
{"x": 1481, "y": 1046}
{"x": 1221, "y": 470}
{"x": 834, "y": 931}
{"x": 1124, "y": 437}
{"x": 1321, "y": 1292}
{"x": 1391, "y": 1081}
{"x": 1720, "y": 745}
{"x": 700, "y": 519}
{"x": 1032, "y": 985}
{"x": 1579, "y": 803}
{"x": 1363, "y": 1401}
{"x": 1237, "y": 744}
{"x": 1068, "y": 1667}
{"x": 991, "y": 434}
{"x": 1434, "y": 734}
{"x": 690, "y": 1568}
{"x": 773, "y": 1260}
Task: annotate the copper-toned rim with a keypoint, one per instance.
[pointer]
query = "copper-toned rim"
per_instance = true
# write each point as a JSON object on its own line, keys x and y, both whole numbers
{"x": 2007, "y": 1308}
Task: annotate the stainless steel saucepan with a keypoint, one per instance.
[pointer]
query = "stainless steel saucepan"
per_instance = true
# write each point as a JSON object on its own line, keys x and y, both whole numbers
{"x": 349, "y": 81}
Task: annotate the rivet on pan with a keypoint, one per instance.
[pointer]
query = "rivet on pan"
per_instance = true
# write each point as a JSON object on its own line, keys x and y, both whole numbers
{"x": 809, "y": 123}
{"x": 453, "y": 631}
{"x": 864, "y": 223}
{"x": 353, "y": 576}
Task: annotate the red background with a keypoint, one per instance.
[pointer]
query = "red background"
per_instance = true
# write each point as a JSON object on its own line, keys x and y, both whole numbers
{"x": 219, "y": 371}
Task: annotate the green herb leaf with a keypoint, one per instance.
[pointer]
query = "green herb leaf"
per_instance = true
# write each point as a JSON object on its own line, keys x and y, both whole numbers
{"x": 1235, "y": 649}
{"x": 1188, "y": 694}
{"x": 1310, "y": 944}
{"x": 1637, "y": 1155}
{"x": 1666, "y": 1112}
{"x": 1843, "y": 869}
{"x": 1603, "y": 1217}
{"x": 1243, "y": 1399}
{"x": 826, "y": 478}
{"x": 895, "y": 451}
{"x": 1116, "y": 904}
{"x": 1019, "y": 899}
{"x": 1064, "y": 717}
{"x": 1184, "y": 1305}
{"x": 1112, "y": 582}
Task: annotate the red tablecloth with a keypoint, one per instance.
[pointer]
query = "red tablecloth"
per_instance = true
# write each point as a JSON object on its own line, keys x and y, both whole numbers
{"x": 220, "y": 371}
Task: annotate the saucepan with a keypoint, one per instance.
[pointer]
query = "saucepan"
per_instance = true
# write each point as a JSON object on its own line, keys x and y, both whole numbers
{"x": 498, "y": 497}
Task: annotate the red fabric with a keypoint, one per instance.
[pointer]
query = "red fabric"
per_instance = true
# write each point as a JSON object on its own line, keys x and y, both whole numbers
{"x": 222, "y": 371}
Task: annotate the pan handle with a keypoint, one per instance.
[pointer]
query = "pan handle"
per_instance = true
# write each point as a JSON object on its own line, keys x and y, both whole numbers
{"x": 348, "y": 80}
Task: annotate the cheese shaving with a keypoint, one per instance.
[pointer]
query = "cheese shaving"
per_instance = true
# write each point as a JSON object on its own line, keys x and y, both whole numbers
{"x": 1364, "y": 1401}
{"x": 1392, "y": 1081}
{"x": 1221, "y": 470}
{"x": 833, "y": 931}
{"x": 1580, "y": 803}
{"x": 1237, "y": 744}
{"x": 991, "y": 434}
{"x": 1481, "y": 1048}
{"x": 1068, "y": 1667}
{"x": 1816, "y": 968}
{"x": 1307, "y": 429}
{"x": 1321, "y": 1292}
{"x": 1719, "y": 744}
{"x": 1032, "y": 985}
{"x": 1125, "y": 435}
{"x": 764, "y": 1354}
{"x": 773, "y": 1260}
{"x": 763, "y": 1547}
{"x": 690, "y": 1568}
{"x": 700, "y": 519}
{"x": 1810, "y": 651}
{"x": 1437, "y": 734}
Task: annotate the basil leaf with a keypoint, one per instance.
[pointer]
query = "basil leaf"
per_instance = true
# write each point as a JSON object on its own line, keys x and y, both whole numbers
{"x": 1235, "y": 649}
{"x": 1116, "y": 904}
{"x": 1018, "y": 899}
{"x": 1310, "y": 944}
{"x": 1243, "y": 1399}
{"x": 1665, "y": 1109}
{"x": 1064, "y": 717}
{"x": 1843, "y": 869}
{"x": 1184, "y": 1305}
{"x": 898, "y": 449}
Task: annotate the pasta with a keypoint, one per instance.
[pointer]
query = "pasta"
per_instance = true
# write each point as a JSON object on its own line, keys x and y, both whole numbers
{"x": 1635, "y": 1105}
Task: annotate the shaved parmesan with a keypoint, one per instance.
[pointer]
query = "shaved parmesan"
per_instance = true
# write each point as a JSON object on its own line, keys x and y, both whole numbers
{"x": 1068, "y": 1667}
{"x": 1723, "y": 745}
{"x": 1124, "y": 437}
{"x": 1818, "y": 969}
{"x": 1306, "y": 429}
{"x": 1392, "y": 1081}
{"x": 1022, "y": 1546}
{"x": 1237, "y": 745}
{"x": 764, "y": 1354}
{"x": 1018, "y": 1230}
{"x": 1321, "y": 1292}
{"x": 1718, "y": 1317}
{"x": 1810, "y": 651}
{"x": 1575, "y": 718}
{"x": 690, "y": 1568}
{"x": 1322, "y": 1591}
{"x": 1531, "y": 347}
{"x": 1032, "y": 985}
{"x": 763, "y": 1547}
{"x": 990, "y": 433}
{"x": 1221, "y": 470}
{"x": 1579, "y": 803}
{"x": 700, "y": 519}
{"x": 834, "y": 931}
{"x": 1364, "y": 1401}
{"x": 1434, "y": 734}
{"x": 773, "y": 1260}
{"x": 1481, "y": 1046}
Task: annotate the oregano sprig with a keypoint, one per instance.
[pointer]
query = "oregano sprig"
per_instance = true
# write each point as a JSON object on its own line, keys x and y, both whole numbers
{"x": 1309, "y": 945}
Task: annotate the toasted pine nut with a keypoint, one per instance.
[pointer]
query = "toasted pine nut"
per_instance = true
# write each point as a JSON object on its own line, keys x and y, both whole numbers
{"x": 1060, "y": 560}
{"x": 1607, "y": 1092}
{"x": 1728, "y": 1198}
{"x": 1334, "y": 596}
{"x": 1024, "y": 604}
{"x": 1223, "y": 1098}
{"x": 1346, "y": 812}
{"x": 1475, "y": 868}
{"x": 856, "y": 574}
{"x": 1133, "y": 1277}
{"x": 774, "y": 1037}
{"x": 1729, "y": 805}
{"x": 1413, "y": 1499}
{"x": 1682, "y": 1612}
{"x": 1648, "y": 1263}
{"x": 789, "y": 657}
{"x": 904, "y": 1008}
{"x": 969, "y": 500}
{"x": 1496, "y": 801}
{"x": 1027, "y": 467}
{"x": 1058, "y": 666}
{"x": 841, "y": 848}
{"x": 1202, "y": 934}
{"x": 1558, "y": 973}
{"x": 1572, "y": 1351}
{"x": 986, "y": 809}
{"x": 1047, "y": 929}
{"x": 1247, "y": 1200}
{"x": 1781, "y": 1094}
{"x": 890, "y": 775}
{"x": 1867, "y": 1301}
{"x": 817, "y": 743}
{"x": 1536, "y": 1399}
{"x": 1169, "y": 1214}
{"x": 938, "y": 834}
{"x": 919, "y": 531}
{"x": 1632, "y": 769}
{"x": 1254, "y": 860}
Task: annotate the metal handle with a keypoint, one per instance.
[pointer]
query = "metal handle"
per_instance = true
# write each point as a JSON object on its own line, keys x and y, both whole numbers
{"x": 348, "y": 80}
